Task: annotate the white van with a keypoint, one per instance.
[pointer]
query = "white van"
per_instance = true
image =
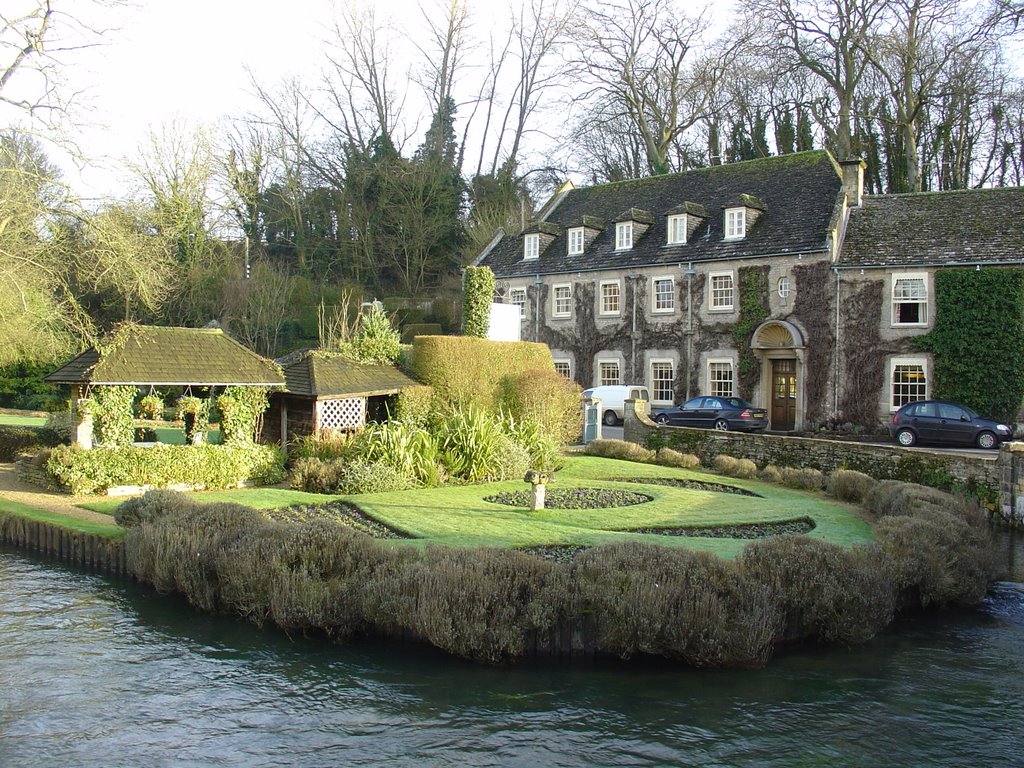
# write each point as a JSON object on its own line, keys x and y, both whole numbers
{"x": 613, "y": 399}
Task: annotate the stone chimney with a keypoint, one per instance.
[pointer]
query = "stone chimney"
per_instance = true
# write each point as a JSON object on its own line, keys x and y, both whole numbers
{"x": 853, "y": 180}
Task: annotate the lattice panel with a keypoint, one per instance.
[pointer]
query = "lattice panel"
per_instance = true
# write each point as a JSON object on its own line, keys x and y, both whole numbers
{"x": 344, "y": 413}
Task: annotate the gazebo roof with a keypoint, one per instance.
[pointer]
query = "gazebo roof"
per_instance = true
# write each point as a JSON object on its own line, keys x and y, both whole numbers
{"x": 159, "y": 356}
{"x": 313, "y": 373}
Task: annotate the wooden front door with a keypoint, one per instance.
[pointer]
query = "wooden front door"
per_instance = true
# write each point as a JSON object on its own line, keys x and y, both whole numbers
{"x": 783, "y": 395}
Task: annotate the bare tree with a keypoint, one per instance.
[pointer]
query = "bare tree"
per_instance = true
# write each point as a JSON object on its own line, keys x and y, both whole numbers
{"x": 641, "y": 60}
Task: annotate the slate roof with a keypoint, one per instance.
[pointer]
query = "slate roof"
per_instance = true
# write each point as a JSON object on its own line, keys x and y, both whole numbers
{"x": 799, "y": 194}
{"x": 968, "y": 226}
{"x": 312, "y": 373}
{"x": 154, "y": 355}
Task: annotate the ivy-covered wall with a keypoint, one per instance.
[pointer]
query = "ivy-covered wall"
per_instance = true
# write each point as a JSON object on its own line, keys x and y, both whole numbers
{"x": 978, "y": 339}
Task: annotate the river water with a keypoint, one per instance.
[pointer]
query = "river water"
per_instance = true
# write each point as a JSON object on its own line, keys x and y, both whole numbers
{"x": 98, "y": 672}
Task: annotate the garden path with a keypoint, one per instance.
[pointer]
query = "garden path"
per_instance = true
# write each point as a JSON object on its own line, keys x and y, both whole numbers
{"x": 15, "y": 489}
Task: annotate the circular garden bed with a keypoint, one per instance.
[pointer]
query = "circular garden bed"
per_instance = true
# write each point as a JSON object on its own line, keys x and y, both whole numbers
{"x": 691, "y": 485}
{"x": 574, "y": 498}
{"x": 339, "y": 512}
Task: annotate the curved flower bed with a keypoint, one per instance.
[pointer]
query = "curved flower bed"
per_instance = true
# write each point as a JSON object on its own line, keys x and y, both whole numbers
{"x": 339, "y": 512}
{"x": 692, "y": 485}
{"x": 574, "y": 498}
{"x": 796, "y": 527}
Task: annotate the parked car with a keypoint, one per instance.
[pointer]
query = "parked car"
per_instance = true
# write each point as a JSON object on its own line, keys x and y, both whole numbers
{"x": 944, "y": 423}
{"x": 613, "y": 399}
{"x": 711, "y": 412}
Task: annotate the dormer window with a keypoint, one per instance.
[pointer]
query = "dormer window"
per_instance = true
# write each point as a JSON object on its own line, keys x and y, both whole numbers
{"x": 531, "y": 247}
{"x": 575, "y": 241}
{"x": 623, "y": 235}
{"x": 677, "y": 226}
{"x": 735, "y": 223}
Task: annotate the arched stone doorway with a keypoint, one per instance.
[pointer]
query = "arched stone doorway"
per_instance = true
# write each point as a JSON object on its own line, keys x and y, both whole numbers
{"x": 780, "y": 345}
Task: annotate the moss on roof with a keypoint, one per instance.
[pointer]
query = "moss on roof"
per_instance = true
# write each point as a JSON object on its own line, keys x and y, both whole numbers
{"x": 155, "y": 355}
{"x": 316, "y": 373}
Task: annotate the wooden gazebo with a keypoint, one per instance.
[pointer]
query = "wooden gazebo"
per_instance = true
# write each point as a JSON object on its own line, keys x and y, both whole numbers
{"x": 154, "y": 356}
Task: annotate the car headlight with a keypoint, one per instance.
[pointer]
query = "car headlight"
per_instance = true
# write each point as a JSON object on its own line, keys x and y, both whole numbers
{"x": 1004, "y": 429}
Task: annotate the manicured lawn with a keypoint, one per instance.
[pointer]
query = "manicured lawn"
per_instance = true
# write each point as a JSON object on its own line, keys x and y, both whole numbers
{"x": 13, "y": 420}
{"x": 459, "y": 516}
{"x": 71, "y": 523}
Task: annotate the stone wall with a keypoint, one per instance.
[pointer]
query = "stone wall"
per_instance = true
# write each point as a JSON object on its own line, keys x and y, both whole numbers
{"x": 978, "y": 475}
{"x": 1011, "y": 483}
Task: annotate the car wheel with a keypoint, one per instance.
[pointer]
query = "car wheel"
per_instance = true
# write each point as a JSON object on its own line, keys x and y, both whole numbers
{"x": 986, "y": 440}
{"x": 722, "y": 425}
{"x": 609, "y": 419}
{"x": 906, "y": 438}
{"x": 661, "y": 418}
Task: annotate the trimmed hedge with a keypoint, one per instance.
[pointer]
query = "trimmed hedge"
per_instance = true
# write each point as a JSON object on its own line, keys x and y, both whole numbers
{"x": 464, "y": 370}
{"x": 200, "y": 466}
{"x": 14, "y": 440}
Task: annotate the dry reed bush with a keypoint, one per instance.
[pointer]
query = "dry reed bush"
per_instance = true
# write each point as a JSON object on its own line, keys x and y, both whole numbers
{"x": 477, "y": 603}
{"x": 730, "y": 466}
{"x": 325, "y": 446}
{"x": 849, "y": 485}
{"x": 825, "y": 591}
{"x": 671, "y": 458}
{"x": 801, "y": 478}
{"x": 676, "y": 603}
{"x": 620, "y": 449}
{"x": 943, "y": 558}
{"x": 176, "y": 552}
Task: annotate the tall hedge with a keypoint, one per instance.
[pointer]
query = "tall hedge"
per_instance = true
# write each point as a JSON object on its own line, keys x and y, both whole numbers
{"x": 976, "y": 342}
{"x": 477, "y": 295}
{"x": 464, "y": 370}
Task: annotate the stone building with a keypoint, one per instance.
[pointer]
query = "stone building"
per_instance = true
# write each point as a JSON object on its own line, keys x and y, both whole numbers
{"x": 746, "y": 279}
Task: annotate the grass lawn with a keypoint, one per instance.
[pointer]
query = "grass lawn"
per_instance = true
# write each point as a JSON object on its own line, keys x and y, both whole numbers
{"x": 71, "y": 523}
{"x": 13, "y": 420}
{"x": 459, "y": 516}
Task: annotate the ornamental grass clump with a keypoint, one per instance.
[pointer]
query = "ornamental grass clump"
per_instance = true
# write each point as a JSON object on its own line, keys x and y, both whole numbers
{"x": 474, "y": 448}
{"x": 801, "y": 478}
{"x": 676, "y": 603}
{"x": 849, "y": 485}
{"x": 620, "y": 449}
{"x": 325, "y": 446}
{"x": 825, "y": 591}
{"x": 730, "y": 466}
{"x": 667, "y": 457}
{"x": 410, "y": 451}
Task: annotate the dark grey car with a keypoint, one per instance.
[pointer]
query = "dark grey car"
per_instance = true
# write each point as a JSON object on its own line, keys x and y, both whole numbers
{"x": 712, "y": 412}
{"x": 940, "y": 422}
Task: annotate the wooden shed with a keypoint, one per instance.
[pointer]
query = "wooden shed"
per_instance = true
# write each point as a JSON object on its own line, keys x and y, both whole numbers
{"x": 326, "y": 391}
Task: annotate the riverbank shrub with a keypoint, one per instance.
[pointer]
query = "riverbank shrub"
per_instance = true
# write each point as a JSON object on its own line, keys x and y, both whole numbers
{"x": 200, "y": 466}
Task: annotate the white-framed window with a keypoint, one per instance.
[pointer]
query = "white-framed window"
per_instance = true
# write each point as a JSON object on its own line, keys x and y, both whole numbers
{"x": 909, "y": 299}
{"x": 663, "y": 378}
{"x": 722, "y": 290}
{"x": 784, "y": 288}
{"x": 721, "y": 378}
{"x": 908, "y": 381}
{"x": 611, "y": 297}
{"x": 663, "y": 294}
{"x": 574, "y": 243}
{"x": 564, "y": 367}
{"x": 561, "y": 300}
{"x": 517, "y": 296}
{"x": 609, "y": 373}
{"x": 735, "y": 223}
{"x": 624, "y": 235}
{"x": 677, "y": 230}
{"x": 531, "y": 247}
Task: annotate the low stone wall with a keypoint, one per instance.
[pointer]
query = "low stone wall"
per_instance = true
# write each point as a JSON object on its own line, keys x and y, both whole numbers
{"x": 976, "y": 474}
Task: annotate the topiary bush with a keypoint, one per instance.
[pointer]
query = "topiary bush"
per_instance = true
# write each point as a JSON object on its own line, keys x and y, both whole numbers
{"x": 619, "y": 449}
{"x": 547, "y": 398}
{"x": 477, "y": 294}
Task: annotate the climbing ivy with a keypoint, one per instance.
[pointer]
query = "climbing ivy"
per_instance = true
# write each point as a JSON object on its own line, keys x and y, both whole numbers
{"x": 113, "y": 409}
{"x": 978, "y": 339}
{"x": 754, "y": 310}
{"x": 241, "y": 413}
{"x": 478, "y": 292}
